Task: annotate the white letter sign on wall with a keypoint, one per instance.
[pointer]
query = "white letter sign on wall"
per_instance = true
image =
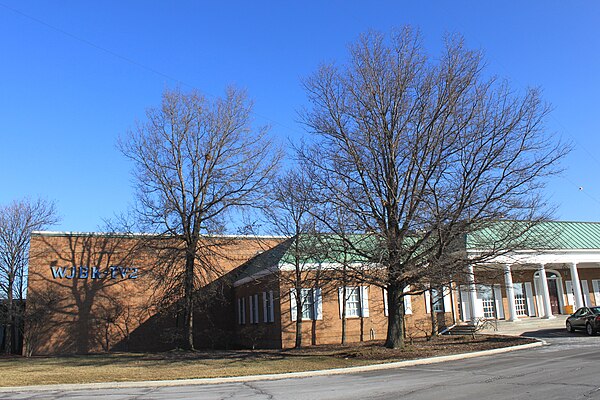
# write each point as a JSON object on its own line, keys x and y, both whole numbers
{"x": 84, "y": 272}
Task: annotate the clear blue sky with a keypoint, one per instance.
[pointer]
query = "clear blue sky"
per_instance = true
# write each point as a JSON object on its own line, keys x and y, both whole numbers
{"x": 74, "y": 75}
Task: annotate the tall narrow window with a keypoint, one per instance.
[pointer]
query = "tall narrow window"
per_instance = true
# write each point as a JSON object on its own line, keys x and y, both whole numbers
{"x": 357, "y": 302}
{"x": 308, "y": 303}
{"x": 438, "y": 300}
{"x": 352, "y": 302}
{"x": 251, "y": 303}
{"x": 520, "y": 299}
{"x": 268, "y": 313}
{"x": 312, "y": 304}
{"x": 254, "y": 300}
{"x": 486, "y": 294}
{"x": 272, "y": 307}
{"x": 242, "y": 310}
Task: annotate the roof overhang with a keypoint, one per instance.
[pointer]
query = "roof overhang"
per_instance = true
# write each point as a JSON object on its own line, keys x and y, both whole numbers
{"x": 542, "y": 256}
{"x": 305, "y": 267}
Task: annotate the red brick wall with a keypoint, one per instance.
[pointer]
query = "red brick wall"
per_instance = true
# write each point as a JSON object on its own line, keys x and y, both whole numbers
{"x": 329, "y": 329}
{"x": 260, "y": 334}
{"x": 85, "y": 315}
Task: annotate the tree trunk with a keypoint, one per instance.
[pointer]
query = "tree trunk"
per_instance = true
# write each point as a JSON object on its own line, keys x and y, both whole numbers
{"x": 433, "y": 314}
{"x": 298, "y": 343}
{"x": 344, "y": 311}
{"x": 298, "y": 287}
{"x": 395, "y": 331}
{"x": 188, "y": 342}
{"x": 9, "y": 323}
{"x": 404, "y": 323}
{"x": 362, "y": 329}
{"x": 21, "y": 315}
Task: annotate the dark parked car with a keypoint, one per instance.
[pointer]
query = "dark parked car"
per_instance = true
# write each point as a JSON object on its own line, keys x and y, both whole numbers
{"x": 587, "y": 318}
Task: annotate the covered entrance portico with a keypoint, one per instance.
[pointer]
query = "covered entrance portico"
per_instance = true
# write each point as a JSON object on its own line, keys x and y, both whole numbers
{"x": 535, "y": 284}
{"x": 553, "y": 268}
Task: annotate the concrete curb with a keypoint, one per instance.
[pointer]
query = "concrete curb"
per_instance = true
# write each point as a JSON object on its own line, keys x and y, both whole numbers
{"x": 270, "y": 377}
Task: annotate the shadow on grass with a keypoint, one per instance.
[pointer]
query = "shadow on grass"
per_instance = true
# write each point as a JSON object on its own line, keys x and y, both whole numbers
{"x": 149, "y": 360}
{"x": 221, "y": 358}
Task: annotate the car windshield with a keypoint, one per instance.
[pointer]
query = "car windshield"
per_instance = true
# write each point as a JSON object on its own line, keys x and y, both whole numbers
{"x": 595, "y": 310}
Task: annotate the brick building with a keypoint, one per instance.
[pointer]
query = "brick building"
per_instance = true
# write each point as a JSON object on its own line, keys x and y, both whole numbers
{"x": 266, "y": 307}
{"x": 97, "y": 292}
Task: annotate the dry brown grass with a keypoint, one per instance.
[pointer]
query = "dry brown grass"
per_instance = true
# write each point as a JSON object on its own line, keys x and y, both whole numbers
{"x": 18, "y": 371}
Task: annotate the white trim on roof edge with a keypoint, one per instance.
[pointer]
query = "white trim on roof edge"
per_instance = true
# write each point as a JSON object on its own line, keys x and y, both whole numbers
{"x": 324, "y": 266}
{"x": 545, "y": 257}
{"x": 253, "y": 277}
{"x": 288, "y": 267}
{"x": 134, "y": 234}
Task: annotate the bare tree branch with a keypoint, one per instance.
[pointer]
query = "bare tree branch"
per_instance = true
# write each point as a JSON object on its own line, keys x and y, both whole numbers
{"x": 195, "y": 162}
{"x": 422, "y": 152}
{"x": 17, "y": 220}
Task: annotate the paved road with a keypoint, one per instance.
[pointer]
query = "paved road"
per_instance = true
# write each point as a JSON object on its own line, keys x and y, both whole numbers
{"x": 569, "y": 368}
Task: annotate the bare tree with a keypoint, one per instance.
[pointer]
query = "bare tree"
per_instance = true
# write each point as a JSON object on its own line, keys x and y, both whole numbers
{"x": 39, "y": 319}
{"x": 291, "y": 214}
{"x": 195, "y": 161}
{"x": 424, "y": 151}
{"x": 17, "y": 220}
{"x": 340, "y": 241}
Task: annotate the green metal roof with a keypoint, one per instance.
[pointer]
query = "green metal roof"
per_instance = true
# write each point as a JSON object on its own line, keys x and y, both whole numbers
{"x": 327, "y": 248}
{"x": 555, "y": 235}
{"x": 502, "y": 235}
{"x": 267, "y": 260}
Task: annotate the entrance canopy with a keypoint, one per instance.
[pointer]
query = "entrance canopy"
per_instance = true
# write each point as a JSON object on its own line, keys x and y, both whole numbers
{"x": 548, "y": 242}
{"x": 538, "y": 246}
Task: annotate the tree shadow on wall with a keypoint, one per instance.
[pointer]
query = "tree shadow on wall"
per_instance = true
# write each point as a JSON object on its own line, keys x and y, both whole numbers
{"x": 103, "y": 309}
{"x": 79, "y": 292}
{"x": 220, "y": 261}
{"x": 165, "y": 329}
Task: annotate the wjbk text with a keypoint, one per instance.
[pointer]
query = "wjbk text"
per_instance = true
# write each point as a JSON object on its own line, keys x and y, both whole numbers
{"x": 112, "y": 272}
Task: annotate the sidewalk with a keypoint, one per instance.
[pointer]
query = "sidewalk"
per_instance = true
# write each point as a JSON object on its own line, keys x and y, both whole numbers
{"x": 525, "y": 326}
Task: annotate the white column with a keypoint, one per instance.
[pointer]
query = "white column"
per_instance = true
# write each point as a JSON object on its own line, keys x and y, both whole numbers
{"x": 472, "y": 293}
{"x": 576, "y": 286}
{"x": 510, "y": 294}
{"x": 547, "y": 308}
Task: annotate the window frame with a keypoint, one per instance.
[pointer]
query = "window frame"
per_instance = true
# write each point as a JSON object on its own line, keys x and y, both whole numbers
{"x": 241, "y": 311}
{"x": 437, "y": 300}
{"x": 316, "y": 309}
{"x": 308, "y": 304}
{"x": 353, "y": 297}
{"x": 254, "y": 314}
{"x": 268, "y": 307}
{"x": 361, "y": 301}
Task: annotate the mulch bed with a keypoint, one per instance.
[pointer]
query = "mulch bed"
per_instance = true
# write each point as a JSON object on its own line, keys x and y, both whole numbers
{"x": 418, "y": 348}
{"x": 371, "y": 350}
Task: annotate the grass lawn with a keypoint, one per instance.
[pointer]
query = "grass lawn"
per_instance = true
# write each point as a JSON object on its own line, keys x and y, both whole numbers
{"x": 18, "y": 371}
